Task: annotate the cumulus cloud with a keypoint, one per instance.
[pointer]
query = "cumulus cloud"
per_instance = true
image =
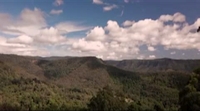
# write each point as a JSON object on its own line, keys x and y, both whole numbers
{"x": 177, "y": 17}
{"x": 17, "y": 46}
{"x": 49, "y": 35}
{"x": 56, "y": 12}
{"x": 83, "y": 45}
{"x": 29, "y": 22}
{"x": 125, "y": 41}
{"x": 58, "y": 2}
{"x": 96, "y": 34}
{"x": 30, "y": 17}
{"x": 150, "y": 48}
{"x": 22, "y": 39}
{"x": 128, "y": 23}
{"x": 31, "y": 35}
{"x": 35, "y": 30}
{"x": 31, "y": 26}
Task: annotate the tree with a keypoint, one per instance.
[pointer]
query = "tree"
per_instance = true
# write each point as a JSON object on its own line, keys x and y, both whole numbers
{"x": 197, "y": 71}
{"x": 191, "y": 102}
{"x": 106, "y": 100}
{"x": 158, "y": 107}
{"x": 189, "y": 97}
{"x": 134, "y": 107}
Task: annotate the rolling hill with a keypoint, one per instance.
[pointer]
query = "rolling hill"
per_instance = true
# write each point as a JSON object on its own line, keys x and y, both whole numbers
{"x": 76, "y": 79}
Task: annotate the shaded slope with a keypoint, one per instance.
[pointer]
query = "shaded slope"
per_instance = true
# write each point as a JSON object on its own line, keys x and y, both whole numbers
{"x": 82, "y": 72}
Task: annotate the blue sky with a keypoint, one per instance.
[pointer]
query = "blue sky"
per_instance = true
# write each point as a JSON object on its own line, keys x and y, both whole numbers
{"x": 86, "y": 11}
{"x": 98, "y": 28}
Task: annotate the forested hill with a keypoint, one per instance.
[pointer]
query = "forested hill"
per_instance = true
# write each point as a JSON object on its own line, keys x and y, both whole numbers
{"x": 164, "y": 64}
{"x": 69, "y": 83}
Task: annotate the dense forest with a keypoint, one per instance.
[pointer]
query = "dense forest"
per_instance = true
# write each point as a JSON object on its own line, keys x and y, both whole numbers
{"x": 88, "y": 83}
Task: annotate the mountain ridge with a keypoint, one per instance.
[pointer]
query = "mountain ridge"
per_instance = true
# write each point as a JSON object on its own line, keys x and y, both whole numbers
{"x": 134, "y": 65}
{"x": 157, "y": 65}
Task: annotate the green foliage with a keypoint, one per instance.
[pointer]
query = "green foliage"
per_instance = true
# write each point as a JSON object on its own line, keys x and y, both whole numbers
{"x": 56, "y": 68}
{"x": 189, "y": 97}
{"x": 190, "y": 102}
{"x": 106, "y": 100}
{"x": 69, "y": 84}
{"x": 197, "y": 70}
{"x": 135, "y": 107}
{"x": 18, "y": 93}
{"x": 158, "y": 107}
{"x": 154, "y": 89}
{"x": 31, "y": 95}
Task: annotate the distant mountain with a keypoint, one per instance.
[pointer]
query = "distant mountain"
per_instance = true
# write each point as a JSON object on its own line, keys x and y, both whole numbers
{"x": 156, "y": 65}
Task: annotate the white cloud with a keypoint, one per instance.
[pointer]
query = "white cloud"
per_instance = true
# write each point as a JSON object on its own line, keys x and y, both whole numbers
{"x": 90, "y": 46}
{"x": 32, "y": 17}
{"x": 125, "y": 40}
{"x": 152, "y": 56}
{"x": 141, "y": 57}
{"x": 109, "y": 7}
{"x": 126, "y": 1}
{"x": 31, "y": 35}
{"x": 128, "y": 23}
{"x": 150, "y": 48}
{"x": 106, "y": 6}
{"x": 23, "y": 39}
{"x": 98, "y": 2}
{"x": 29, "y": 22}
{"x": 172, "y": 53}
{"x": 19, "y": 48}
{"x": 58, "y": 2}
{"x": 6, "y": 19}
{"x": 56, "y": 12}
{"x": 67, "y": 27}
{"x": 96, "y": 34}
{"x": 50, "y": 36}
{"x": 177, "y": 17}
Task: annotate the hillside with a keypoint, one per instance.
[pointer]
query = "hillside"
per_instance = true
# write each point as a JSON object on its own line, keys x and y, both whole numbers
{"x": 76, "y": 79}
{"x": 24, "y": 93}
{"x": 156, "y": 65}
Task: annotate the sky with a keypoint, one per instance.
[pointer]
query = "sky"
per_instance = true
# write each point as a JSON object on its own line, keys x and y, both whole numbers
{"x": 107, "y": 29}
